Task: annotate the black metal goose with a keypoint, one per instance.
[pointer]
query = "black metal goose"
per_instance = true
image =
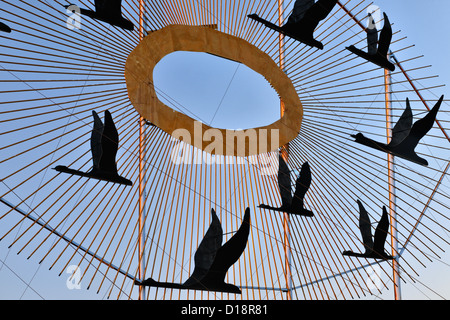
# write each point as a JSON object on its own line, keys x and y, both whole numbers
{"x": 374, "y": 247}
{"x": 104, "y": 146}
{"x": 377, "y": 48}
{"x": 405, "y": 136}
{"x": 292, "y": 204}
{"x": 303, "y": 21}
{"x": 109, "y": 11}
{"x": 212, "y": 260}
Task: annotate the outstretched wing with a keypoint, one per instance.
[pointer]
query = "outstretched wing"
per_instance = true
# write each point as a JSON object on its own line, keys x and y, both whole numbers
{"x": 284, "y": 181}
{"x": 110, "y": 144}
{"x": 300, "y": 8}
{"x": 207, "y": 250}
{"x": 381, "y": 233}
{"x": 4, "y": 28}
{"x": 96, "y": 140}
{"x": 229, "y": 253}
{"x": 301, "y": 186}
{"x": 365, "y": 227}
{"x": 319, "y": 11}
{"x": 385, "y": 37}
{"x": 111, "y": 8}
{"x": 422, "y": 126}
{"x": 372, "y": 36}
{"x": 403, "y": 126}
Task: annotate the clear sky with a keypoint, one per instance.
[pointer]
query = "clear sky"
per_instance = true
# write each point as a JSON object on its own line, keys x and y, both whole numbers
{"x": 425, "y": 25}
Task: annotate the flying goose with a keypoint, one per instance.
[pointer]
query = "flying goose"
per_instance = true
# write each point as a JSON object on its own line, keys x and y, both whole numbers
{"x": 292, "y": 205}
{"x": 304, "y": 19}
{"x": 405, "y": 136}
{"x": 104, "y": 146}
{"x": 374, "y": 248}
{"x": 377, "y": 48}
{"x": 212, "y": 259}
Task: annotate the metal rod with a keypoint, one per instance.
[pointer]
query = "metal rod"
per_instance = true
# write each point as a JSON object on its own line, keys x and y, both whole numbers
{"x": 425, "y": 209}
{"x": 65, "y": 238}
{"x": 418, "y": 93}
{"x": 391, "y": 185}
{"x": 141, "y": 240}
{"x": 393, "y": 220}
{"x": 286, "y": 223}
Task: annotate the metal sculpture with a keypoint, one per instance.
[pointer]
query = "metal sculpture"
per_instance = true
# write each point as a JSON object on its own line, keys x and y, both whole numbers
{"x": 104, "y": 146}
{"x": 377, "y": 48}
{"x": 212, "y": 259}
{"x": 303, "y": 21}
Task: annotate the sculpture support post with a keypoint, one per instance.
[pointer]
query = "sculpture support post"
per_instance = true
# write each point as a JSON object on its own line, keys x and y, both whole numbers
{"x": 141, "y": 266}
{"x": 391, "y": 184}
{"x": 286, "y": 223}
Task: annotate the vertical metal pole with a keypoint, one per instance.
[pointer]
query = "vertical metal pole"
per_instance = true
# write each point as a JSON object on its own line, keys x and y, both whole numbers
{"x": 141, "y": 266}
{"x": 391, "y": 184}
{"x": 286, "y": 222}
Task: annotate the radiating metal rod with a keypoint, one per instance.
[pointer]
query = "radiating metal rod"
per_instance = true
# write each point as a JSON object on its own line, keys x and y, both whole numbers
{"x": 65, "y": 238}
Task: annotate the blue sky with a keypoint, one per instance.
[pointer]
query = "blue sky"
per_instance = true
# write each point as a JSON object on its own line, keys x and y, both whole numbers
{"x": 425, "y": 26}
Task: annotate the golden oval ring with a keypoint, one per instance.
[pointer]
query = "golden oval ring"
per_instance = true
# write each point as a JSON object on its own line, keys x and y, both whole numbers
{"x": 141, "y": 91}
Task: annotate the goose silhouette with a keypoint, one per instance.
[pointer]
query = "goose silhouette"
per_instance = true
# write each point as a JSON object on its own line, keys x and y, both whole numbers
{"x": 292, "y": 205}
{"x": 304, "y": 19}
{"x": 377, "y": 48}
{"x": 374, "y": 247}
{"x": 4, "y": 28}
{"x": 212, "y": 260}
{"x": 109, "y": 11}
{"x": 405, "y": 136}
{"x": 104, "y": 146}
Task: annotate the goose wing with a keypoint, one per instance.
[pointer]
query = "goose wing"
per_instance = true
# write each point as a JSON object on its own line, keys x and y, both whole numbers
{"x": 385, "y": 37}
{"x": 284, "y": 182}
{"x": 4, "y": 28}
{"x": 372, "y": 36}
{"x": 300, "y": 8}
{"x": 110, "y": 144}
{"x": 316, "y": 13}
{"x": 96, "y": 140}
{"x": 365, "y": 227}
{"x": 301, "y": 186}
{"x": 229, "y": 253}
{"x": 207, "y": 250}
{"x": 381, "y": 233}
{"x": 109, "y": 8}
{"x": 422, "y": 126}
{"x": 403, "y": 126}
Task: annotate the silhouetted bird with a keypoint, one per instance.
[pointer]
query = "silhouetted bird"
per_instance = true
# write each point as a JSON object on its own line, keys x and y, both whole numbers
{"x": 109, "y": 11}
{"x": 212, "y": 260}
{"x": 374, "y": 248}
{"x": 104, "y": 146}
{"x": 289, "y": 204}
{"x": 4, "y": 28}
{"x": 303, "y": 21}
{"x": 405, "y": 136}
{"x": 377, "y": 49}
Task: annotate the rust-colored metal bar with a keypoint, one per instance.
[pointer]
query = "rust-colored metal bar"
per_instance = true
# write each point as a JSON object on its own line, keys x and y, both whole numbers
{"x": 418, "y": 94}
{"x": 141, "y": 239}
{"x": 424, "y": 209}
{"x": 286, "y": 222}
{"x": 391, "y": 186}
